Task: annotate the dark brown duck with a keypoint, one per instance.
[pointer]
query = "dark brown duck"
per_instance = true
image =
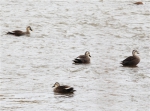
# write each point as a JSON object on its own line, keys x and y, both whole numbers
{"x": 131, "y": 60}
{"x": 62, "y": 89}
{"x": 83, "y": 58}
{"x": 138, "y": 3}
{"x": 21, "y": 33}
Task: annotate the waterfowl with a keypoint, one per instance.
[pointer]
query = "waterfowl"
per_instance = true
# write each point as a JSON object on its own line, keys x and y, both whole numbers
{"x": 20, "y": 33}
{"x": 83, "y": 58}
{"x": 138, "y": 3}
{"x": 62, "y": 89}
{"x": 131, "y": 60}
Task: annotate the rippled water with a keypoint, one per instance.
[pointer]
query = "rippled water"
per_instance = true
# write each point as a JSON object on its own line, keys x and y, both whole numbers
{"x": 62, "y": 30}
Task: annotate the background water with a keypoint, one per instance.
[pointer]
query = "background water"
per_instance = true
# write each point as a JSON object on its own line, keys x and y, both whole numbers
{"x": 62, "y": 30}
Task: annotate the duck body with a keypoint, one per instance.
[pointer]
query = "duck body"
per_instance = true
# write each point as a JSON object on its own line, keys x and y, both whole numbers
{"x": 21, "y": 33}
{"x": 138, "y": 3}
{"x": 83, "y": 58}
{"x": 62, "y": 89}
{"x": 16, "y": 33}
{"x": 131, "y": 60}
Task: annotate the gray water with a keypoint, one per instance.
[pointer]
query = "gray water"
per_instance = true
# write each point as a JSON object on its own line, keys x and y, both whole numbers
{"x": 62, "y": 30}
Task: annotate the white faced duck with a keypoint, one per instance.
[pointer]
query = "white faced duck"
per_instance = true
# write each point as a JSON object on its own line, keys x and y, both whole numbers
{"x": 83, "y": 58}
{"x": 62, "y": 89}
{"x": 131, "y": 60}
{"x": 20, "y": 33}
{"x": 138, "y": 3}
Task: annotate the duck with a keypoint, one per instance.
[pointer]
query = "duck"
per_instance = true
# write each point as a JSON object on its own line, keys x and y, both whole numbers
{"x": 63, "y": 89}
{"x": 83, "y": 58}
{"x": 138, "y": 3}
{"x": 131, "y": 60}
{"x": 21, "y": 33}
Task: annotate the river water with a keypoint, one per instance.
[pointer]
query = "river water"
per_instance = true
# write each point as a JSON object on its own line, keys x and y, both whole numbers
{"x": 62, "y": 30}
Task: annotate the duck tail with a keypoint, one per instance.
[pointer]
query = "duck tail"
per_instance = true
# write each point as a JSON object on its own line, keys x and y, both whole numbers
{"x": 77, "y": 61}
{"x": 73, "y": 90}
{"x": 10, "y": 33}
{"x": 121, "y": 62}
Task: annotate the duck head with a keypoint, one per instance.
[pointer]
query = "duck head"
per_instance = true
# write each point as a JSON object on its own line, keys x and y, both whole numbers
{"x": 56, "y": 84}
{"x": 87, "y": 53}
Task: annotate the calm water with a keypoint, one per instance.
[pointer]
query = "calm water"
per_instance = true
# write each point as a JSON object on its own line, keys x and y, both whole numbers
{"x": 62, "y": 30}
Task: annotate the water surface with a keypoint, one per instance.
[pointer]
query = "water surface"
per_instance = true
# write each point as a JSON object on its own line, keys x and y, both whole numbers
{"x": 62, "y": 30}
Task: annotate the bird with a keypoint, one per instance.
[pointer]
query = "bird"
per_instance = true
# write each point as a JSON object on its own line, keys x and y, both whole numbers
{"x": 64, "y": 89}
{"x": 138, "y": 3}
{"x": 83, "y": 58}
{"x": 21, "y": 33}
{"x": 131, "y": 60}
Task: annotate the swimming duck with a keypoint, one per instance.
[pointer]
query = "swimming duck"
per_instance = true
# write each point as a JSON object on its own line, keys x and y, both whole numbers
{"x": 83, "y": 58}
{"x": 20, "y": 33}
{"x": 138, "y": 3}
{"x": 62, "y": 89}
{"x": 131, "y": 60}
